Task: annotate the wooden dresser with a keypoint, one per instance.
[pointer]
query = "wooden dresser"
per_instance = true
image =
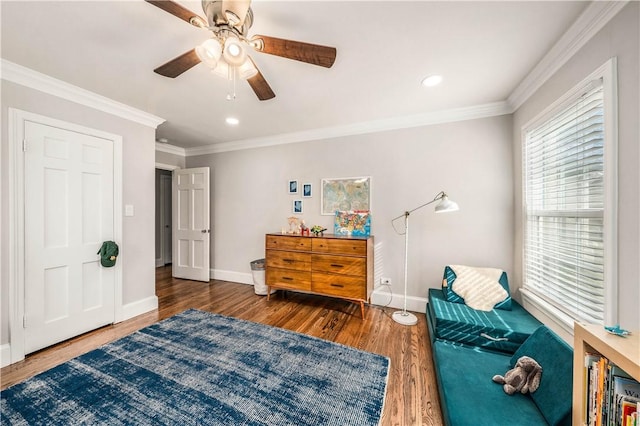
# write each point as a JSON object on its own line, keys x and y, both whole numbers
{"x": 331, "y": 265}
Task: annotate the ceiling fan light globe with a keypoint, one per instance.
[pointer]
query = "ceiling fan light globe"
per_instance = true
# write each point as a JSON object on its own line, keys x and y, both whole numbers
{"x": 247, "y": 69}
{"x": 221, "y": 69}
{"x": 209, "y": 52}
{"x": 234, "y": 53}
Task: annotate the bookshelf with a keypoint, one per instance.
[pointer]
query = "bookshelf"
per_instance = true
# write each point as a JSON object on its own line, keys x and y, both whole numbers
{"x": 623, "y": 351}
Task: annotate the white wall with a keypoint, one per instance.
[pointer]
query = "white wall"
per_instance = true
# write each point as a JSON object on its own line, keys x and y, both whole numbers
{"x": 169, "y": 159}
{"x": 471, "y": 160}
{"x": 620, "y": 38}
{"x": 138, "y": 189}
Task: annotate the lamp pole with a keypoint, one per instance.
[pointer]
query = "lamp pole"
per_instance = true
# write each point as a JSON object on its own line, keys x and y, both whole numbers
{"x": 404, "y": 317}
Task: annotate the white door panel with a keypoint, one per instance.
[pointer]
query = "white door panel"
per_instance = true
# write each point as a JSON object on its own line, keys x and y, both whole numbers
{"x": 69, "y": 212}
{"x": 191, "y": 231}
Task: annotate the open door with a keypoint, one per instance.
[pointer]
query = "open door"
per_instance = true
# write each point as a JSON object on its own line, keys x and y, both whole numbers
{"x": 191, "y": 230}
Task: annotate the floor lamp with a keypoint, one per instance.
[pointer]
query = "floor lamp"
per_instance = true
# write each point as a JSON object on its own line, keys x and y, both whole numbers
{"x": 445, "y": 205}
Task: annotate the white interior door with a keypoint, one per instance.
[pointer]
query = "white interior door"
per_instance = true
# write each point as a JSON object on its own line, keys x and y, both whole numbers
{"x": 69, "y": 212}
{"x": 191, "y": 231}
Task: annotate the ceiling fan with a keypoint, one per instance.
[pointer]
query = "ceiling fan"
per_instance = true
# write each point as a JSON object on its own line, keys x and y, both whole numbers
{"x": 226, "y": 51}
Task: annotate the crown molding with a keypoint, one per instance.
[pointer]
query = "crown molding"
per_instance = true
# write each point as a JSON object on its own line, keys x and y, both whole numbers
{"x": 170, "y": 149}
{"x": 418, "y": 120}
{"x": 35, "y": 80}
{"x": 592, "y": 20}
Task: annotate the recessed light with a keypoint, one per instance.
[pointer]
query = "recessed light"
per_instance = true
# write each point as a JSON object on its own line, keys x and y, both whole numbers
{"x": 232, "y": 121}
{"x": 163, "y": 140}
{"x": 432, "y": 80}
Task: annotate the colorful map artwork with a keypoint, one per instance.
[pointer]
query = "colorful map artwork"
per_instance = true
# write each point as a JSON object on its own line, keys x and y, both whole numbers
{"x": 354, "y": 223}
{"x": 345, "y": 195}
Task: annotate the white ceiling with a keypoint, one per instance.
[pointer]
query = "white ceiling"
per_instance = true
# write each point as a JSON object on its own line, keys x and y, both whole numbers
{"x": 483, "y": 49}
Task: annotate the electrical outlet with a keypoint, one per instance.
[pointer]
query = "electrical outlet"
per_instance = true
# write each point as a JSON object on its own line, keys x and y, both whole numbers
{"x": 385, "y": 281}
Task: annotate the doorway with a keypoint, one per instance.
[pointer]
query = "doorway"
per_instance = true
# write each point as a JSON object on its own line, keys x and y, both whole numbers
{"x": 163, "y": 218}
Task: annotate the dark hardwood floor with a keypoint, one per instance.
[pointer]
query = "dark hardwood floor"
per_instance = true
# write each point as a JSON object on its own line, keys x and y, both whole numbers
{"x": 412, "y": 397}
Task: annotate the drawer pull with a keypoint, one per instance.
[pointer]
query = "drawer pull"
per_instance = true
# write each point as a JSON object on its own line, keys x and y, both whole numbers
{"x": 288, "y": 260}
{"x": 337, "y": 285}
{"x": 335, "y": 265}
{"x": 287, "y": 278}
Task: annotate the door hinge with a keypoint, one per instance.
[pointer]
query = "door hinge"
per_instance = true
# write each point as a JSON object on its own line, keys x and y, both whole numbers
{"x": 24, "y": 321}
{"x": 24, "y": 145}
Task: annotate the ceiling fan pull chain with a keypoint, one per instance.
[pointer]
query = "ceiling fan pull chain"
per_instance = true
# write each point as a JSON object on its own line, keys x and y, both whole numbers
{"x": 231, "y": 77}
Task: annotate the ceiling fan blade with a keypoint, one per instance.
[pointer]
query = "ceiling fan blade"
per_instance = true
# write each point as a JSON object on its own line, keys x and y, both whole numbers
{"x": 177, "y": 66}
{"x": 260, "y": 86}
{"x": 315, "y": 54}
{"x": 181, "y": 12}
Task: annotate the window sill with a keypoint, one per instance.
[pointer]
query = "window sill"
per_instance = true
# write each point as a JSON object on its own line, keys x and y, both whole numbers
{"x": 559, "y": 318}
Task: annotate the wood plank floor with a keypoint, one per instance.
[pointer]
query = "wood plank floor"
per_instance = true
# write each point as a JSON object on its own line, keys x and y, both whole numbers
{"x": 412, "y": 397}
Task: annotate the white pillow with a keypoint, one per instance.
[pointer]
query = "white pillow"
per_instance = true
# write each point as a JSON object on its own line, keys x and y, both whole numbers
{"x": 479, "y": 287}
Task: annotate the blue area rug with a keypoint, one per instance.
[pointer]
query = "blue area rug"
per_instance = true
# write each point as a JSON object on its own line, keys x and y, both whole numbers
{"x": 206, "y": 369}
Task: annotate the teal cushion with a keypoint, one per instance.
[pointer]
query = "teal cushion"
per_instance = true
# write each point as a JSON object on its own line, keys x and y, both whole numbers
{"x": 449, "y": 277}
{"x": 468, "y": 396}
{"x": 498, "y": 330}
{"x": 555, "y": 356}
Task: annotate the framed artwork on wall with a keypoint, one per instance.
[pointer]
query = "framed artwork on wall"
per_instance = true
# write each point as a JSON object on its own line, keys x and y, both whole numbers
{"x": 345, "y": 194}
{"x": 297, "y": 206}
{"x": 306, "y": 190}
{"x": 293, "y": 187}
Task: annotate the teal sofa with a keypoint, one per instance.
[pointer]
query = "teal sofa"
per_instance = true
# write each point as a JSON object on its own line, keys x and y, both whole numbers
{"x": 470, "y": 347}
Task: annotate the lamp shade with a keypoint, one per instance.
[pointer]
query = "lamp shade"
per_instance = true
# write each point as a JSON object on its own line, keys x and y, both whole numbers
{"x": 209, "y": 52}
{"x": 446, "y": 205}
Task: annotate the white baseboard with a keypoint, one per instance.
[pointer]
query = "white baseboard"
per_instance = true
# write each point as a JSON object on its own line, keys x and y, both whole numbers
{"x": 236, "y": 277}
{"x": 5, "y": 355}
{"x": 381, "y": 297}
{"x": 159, "y": 263}
{"x": 139, "y": 307}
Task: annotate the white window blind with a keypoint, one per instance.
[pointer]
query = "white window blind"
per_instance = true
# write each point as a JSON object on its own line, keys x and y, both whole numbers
{"x": 564, "y": 208}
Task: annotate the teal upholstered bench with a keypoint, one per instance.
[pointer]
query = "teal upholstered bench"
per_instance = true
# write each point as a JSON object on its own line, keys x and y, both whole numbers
{"x": 498, "y": 330}
{"x": 469, "y": 397}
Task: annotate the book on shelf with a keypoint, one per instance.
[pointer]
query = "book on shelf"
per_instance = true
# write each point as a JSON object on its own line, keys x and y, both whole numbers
{"x": 611, "y": 396}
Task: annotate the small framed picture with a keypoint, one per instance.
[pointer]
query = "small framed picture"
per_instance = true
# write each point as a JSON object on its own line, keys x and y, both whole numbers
{"x": 297, "y": 206}
{"x": 306, "y": 190}
{"x": 293, "y": 187}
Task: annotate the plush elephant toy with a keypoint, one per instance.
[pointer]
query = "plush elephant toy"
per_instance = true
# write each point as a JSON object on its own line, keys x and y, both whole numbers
{"x": 524, "y": 377}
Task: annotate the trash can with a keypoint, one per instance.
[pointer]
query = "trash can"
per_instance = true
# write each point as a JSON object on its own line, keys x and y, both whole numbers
{"x": 257, "y": 270}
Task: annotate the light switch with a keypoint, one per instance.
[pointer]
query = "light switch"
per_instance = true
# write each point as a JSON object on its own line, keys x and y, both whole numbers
{"x": 128, "y": 210}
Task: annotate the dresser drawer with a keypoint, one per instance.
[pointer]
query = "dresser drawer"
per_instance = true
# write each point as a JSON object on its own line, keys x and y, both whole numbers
{"x": 285, "y": 278}
{"x": 339, "y": 264}
{"x": 338, "y": 246}
{"x": 289, "y": 260}
{"x": 288, "y": 243}
{"x": 339, "y": 285}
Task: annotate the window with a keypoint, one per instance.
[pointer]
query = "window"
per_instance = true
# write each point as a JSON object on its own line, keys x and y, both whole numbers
{"x": 569, "y": 195}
